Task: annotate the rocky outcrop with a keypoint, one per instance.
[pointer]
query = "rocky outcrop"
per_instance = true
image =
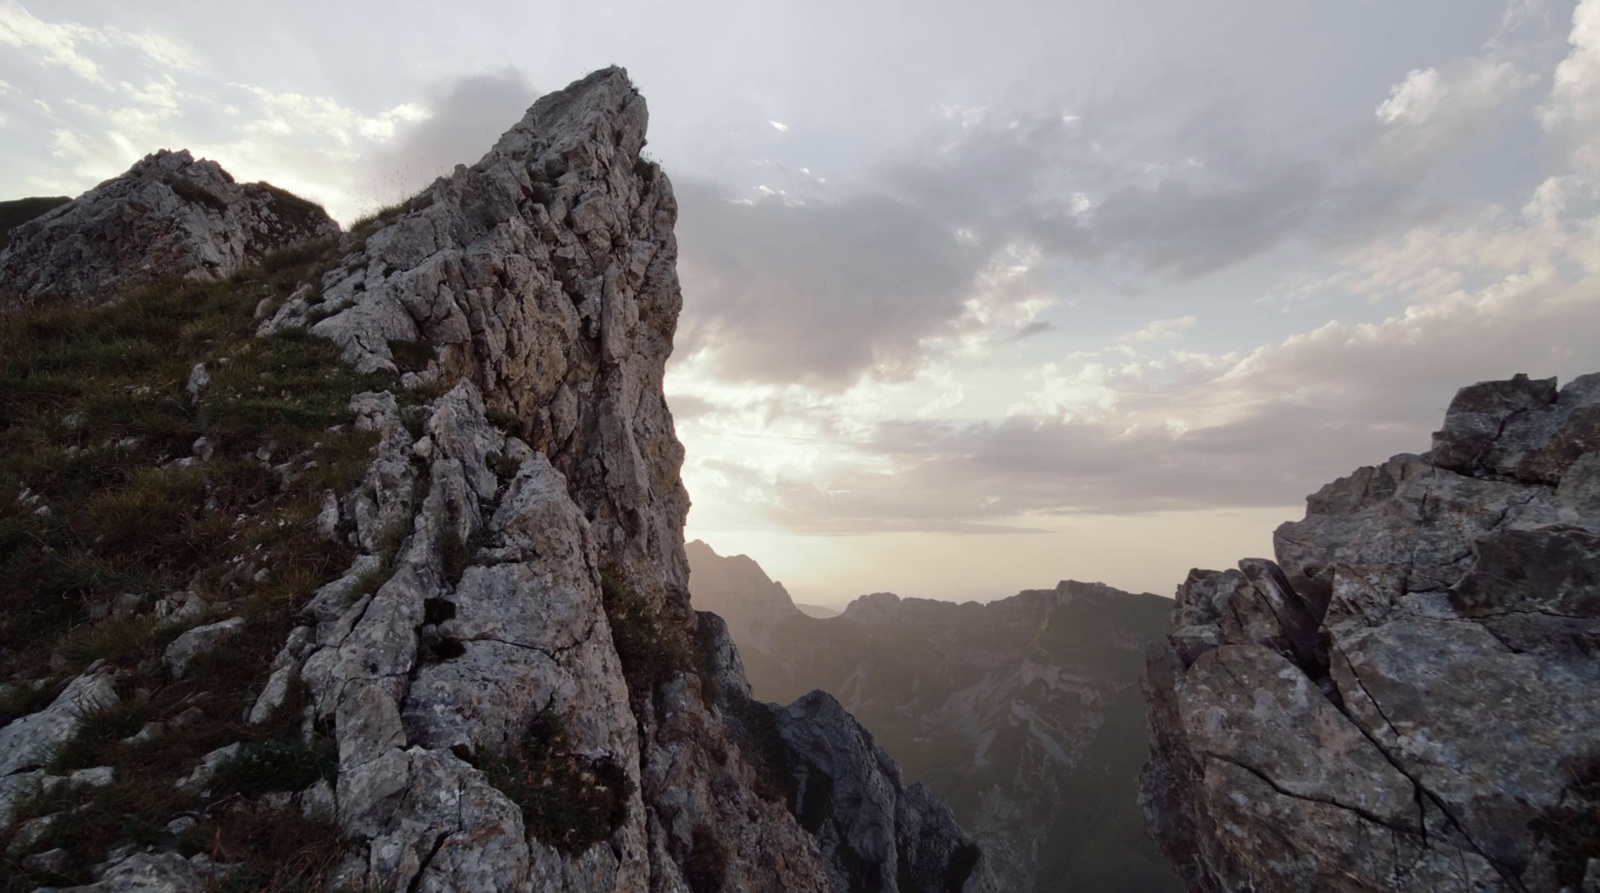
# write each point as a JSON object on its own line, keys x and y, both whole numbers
{"x": 1023, "y": 714}
{"x": 874, "y": 832}
{"x": 523, "y": 582}
{"x": 170, "y": 216}
{"x": 1405, "y": 698}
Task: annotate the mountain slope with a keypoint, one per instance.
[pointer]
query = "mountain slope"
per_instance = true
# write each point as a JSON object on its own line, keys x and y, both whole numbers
{"x": 1023, "y": 714}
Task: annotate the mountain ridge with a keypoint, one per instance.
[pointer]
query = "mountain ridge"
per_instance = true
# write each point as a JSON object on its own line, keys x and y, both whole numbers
{"x": 505, "y": 687}
{"x": 998, "y": 707}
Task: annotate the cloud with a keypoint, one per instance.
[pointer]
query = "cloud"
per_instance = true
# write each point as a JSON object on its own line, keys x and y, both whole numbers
{"x": 1479, "y": 296}
{"x": 58, "y": 43}
{"x": 1161, "y": 329}
{"x": 1434, "y": 111}
{"x": 779, "y": 126}
{"x": 817, "y": 293}
{"x": 1572, "y": 110}
{"x": 1265, "y": 429}
{"x": 461, "y": 121}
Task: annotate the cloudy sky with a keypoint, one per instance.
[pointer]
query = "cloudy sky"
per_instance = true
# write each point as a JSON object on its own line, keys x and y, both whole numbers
{"x": 977, "y": 296}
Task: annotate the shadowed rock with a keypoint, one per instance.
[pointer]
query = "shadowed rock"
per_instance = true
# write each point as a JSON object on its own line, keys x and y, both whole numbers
{"x": 1405, "y": 699}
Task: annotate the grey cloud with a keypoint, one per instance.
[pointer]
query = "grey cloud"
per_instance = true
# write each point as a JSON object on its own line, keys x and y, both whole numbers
{"x": 1318, "y": 407}
{"x": 823, "y": 291}
{"x": 466, "y": 116}
{"x": 815, "y": 293}
{"x": 1032, "y": 329}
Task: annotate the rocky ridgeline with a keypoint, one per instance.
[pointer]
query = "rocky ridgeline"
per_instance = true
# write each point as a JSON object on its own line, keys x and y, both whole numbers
{"x": 1023, "y": 714}
{"x": 520, "y": 694}
{"x": 168, "y": 217}
{"x": 1406, "y": 698}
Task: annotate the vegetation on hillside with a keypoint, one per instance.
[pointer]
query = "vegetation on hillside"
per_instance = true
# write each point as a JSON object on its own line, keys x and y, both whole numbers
{"x": 124, "y": 498}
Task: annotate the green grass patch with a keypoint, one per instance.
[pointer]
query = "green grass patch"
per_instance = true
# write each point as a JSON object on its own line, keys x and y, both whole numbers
{"x": 277, "y": 764}
{"x": 651, "y": 652}
{"x": 106, "y": 507}
{"x": 568, "y": 800}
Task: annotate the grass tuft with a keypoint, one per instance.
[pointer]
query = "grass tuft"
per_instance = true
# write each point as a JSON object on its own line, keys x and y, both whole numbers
{"x": 568, "y": 800}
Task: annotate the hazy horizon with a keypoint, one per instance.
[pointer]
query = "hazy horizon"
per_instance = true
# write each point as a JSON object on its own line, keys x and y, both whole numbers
{"x": 974, "y": 300}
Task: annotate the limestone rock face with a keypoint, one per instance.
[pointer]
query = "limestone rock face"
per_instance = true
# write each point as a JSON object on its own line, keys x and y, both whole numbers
{"x": 1405, "y": 699}
{"x": 547, "y": 274}
{"x": 503, "y": 523}
{"x": 170, "y": 216}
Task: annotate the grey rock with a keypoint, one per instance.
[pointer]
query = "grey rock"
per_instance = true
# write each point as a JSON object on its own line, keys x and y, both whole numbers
{"x": 168, "y": 217}
{"x": 328, "y": 517}
{"x": 96, "y": 777}
{"x": 873, "y": 831}
{"x": 13, "y": 788}
{"x": 150, "y": 873}
{"x": 1399, "y": 700}
{"x": 48, "y": 862}
{"x": 207, "y": 769}
{"x": 195, "y": 642}
{"x": 479, "y": 600}
{"x": 28, "y": 742}
{"x": 199, "y": 380}
{"x": 30, "y": 833}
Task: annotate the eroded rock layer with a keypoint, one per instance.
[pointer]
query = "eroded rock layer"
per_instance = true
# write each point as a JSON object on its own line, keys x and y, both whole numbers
{"x": 170, "y": 216}
{"x": 1406, "y": 698}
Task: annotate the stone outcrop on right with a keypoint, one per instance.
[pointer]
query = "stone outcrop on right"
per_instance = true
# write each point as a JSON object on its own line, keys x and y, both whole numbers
{"x": 1407, "y": 698}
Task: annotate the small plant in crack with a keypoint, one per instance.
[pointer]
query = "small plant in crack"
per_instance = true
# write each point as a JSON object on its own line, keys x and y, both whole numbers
{"x": 568, "y": 800}
{"x": 433, "y": 648}
{"x": 651, "y": 652}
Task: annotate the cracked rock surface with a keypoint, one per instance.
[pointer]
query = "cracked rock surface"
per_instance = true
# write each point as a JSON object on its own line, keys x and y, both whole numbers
{"x": 1405, "y": 698}
{"x": 170, "y": 216}
{"x": 492, "y": 521}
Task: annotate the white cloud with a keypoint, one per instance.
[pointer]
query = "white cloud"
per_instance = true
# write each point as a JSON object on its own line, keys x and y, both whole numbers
{"x": 1436, "y": 110}
{"x": 57, "y": 43}
{"x": 779, "y": 126}
{"x": 1573, "y": 108}
{"x": 62, "y": 43}
{"x": 1413, "y": 98}
{"x": 1161, "y": 329}
{"x": 288, "y": 114}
